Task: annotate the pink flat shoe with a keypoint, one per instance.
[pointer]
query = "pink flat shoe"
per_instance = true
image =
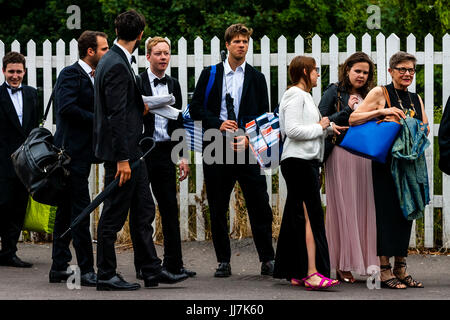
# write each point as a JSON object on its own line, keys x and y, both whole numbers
{"x": 297, "y": 282}
{"x": 329, "y": 284}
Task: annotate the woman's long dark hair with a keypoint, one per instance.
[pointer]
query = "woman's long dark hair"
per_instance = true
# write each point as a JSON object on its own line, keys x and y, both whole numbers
{"x": 344, "y": 81}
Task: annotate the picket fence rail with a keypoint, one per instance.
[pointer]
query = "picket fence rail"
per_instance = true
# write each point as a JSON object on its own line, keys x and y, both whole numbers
{"x": 50, "y": 62}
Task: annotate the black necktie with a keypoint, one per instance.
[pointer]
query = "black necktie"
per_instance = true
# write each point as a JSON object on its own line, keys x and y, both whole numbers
{"x": 133, "y": 59}
{"x": 157, "y": 81}
{"x": 14, "y": 90}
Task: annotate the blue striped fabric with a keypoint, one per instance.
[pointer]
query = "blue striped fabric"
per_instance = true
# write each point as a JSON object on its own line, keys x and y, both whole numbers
{"x": 194, "y": 135}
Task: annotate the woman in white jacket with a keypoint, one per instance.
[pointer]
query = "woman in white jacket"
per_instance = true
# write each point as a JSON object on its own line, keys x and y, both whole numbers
{"x": 302, "y": 252}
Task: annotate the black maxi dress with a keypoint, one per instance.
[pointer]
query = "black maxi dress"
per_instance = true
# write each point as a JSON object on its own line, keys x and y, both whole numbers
{"x": 393, "y": 229}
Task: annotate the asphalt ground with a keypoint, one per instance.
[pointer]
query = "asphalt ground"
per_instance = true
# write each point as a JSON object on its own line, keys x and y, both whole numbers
{"x": 246, "y": 283}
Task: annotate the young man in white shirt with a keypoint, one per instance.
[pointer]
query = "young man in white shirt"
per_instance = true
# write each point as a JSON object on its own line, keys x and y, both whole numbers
{"x": 239, "y": 95}
{"x": 19, "y": 114}
{"x": 74, "y": 106}
{"x": 161, "y": 169}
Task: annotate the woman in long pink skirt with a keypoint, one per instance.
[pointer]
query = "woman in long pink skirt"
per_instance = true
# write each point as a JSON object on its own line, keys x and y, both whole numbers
{"x": 350, "y": 216}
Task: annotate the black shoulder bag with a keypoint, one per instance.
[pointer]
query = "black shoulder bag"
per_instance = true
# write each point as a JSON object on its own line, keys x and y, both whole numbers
{"x": 40, "y": 165}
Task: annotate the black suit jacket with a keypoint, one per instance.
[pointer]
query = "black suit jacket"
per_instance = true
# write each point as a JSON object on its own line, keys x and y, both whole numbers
{"x": 444, "y": 140}
{"x": 149, "y": 120}
{"x": 254, "y": 99}
{"x": 118, "y": 115}
{"x": 74, "y": 105}
{"x": 12, "y": 134}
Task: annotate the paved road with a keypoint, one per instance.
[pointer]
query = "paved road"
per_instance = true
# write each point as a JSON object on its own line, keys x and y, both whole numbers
{"x": 245, "y": 284}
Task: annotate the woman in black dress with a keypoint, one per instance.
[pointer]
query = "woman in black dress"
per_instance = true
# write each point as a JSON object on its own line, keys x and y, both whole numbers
{"x": 393, "y": 230}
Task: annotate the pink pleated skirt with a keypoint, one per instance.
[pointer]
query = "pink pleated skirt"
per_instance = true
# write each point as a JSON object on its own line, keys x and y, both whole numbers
{"x": 350, "y": 215}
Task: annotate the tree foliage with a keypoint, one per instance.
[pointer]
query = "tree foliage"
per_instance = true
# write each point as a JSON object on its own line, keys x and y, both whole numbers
{"x": 46, "y": 19}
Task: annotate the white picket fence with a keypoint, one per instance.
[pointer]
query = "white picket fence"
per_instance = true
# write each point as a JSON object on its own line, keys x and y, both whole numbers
{"x": 384, "y": 48}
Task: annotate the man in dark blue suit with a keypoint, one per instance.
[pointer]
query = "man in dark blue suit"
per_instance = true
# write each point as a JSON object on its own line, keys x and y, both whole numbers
{"x": 74, "y": 103}
{"x": 238, "y": 95}
{"x": 19, "y": 114}
{"x": 118, "y": 125}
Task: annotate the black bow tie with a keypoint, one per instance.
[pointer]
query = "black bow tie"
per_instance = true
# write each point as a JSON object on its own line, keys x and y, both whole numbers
{"x": 14, "y": 90}
{"x": 157, "y": 81}
{"x": 133, "y": 59}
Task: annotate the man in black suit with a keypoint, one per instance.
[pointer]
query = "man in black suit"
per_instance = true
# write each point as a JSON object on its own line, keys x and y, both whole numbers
{"x": 19, "y": 114}
{"x": 444, "y": 140}
{"x": 74, "y": 104}
{"x": 238, "y": 95}
{"x": 160, "y": 168}
{"x": 118, "y": 124}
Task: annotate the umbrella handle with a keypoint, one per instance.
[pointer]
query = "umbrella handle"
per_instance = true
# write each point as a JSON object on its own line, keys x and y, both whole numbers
{"x": 149, "y": 150}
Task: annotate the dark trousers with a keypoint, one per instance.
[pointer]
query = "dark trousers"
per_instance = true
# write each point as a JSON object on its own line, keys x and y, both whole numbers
{"x": 13, "y": 205}
{"x": 220, "y": 180}
{"x": 134, "y": 196}
{"x": 75, "y": 200}
{"x": 302, "y": 182}
{"x": 162, "y": 176}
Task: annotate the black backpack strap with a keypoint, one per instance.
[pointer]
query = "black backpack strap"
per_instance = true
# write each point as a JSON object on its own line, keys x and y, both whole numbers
{"x": 47, "y": 109}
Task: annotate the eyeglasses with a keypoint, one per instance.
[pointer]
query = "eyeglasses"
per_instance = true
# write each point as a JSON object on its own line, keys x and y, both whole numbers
{"x": 403, "y": 70}
{"x": 317, "y": 69}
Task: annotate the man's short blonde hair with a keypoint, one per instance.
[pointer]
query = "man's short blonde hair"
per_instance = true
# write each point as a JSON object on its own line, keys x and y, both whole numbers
{"x": 154, "y": 41}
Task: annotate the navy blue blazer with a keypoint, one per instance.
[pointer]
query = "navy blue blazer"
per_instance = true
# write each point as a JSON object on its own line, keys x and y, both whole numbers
{"x": 149, "y": 120}
{"x": 254, "y": 99}
{"x": 118, "y": 113}
{"x": 74, "y": 105}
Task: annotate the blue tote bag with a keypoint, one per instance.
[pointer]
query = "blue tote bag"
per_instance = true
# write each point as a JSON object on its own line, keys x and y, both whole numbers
{"x": 373, "y": 139}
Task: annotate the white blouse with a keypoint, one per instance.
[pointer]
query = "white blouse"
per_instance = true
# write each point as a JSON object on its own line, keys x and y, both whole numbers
{"x": 303, "y": 136}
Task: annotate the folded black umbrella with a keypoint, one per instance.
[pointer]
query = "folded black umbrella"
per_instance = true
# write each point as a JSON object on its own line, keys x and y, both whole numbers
{"x": 107, "y": 191}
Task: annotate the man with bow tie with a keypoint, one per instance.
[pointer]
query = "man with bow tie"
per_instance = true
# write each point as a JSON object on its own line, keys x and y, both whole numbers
{"x": 74, "y": 105}
{"x": 160, "y": 168}
{"x": 19, "y": 114}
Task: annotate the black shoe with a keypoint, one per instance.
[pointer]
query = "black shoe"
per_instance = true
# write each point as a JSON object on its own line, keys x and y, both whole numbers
{"x": 164, "y": 277}
{"x": 190, "y": 273}
{"x": 116, "y": 283}
{"x": 139, "y": 275}
{"x": 267, "y": 268}
{"x": 223, "y": 271}
{"x": 182, "y": 270}
{"x": 16, "y": 263}
{"x": 89, "y": 279}
{"x": 59, "y": 276}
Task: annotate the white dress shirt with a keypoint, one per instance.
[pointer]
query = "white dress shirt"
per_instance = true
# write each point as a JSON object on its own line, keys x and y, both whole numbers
{"x": 161, "y": 123}
{"x": 87, "y": 68}
{"x": 233, "y": 82}
{"x": 17, "y": 100}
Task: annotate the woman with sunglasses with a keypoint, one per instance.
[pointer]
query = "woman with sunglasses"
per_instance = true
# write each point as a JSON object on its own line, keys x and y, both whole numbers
{"x": 302, "y": 251}
{"x": 350, "y": 220}
{"x": 393, "y": 230}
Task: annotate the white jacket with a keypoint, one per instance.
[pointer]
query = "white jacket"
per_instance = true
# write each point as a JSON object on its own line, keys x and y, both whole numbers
{"x": 303, "y": 136}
